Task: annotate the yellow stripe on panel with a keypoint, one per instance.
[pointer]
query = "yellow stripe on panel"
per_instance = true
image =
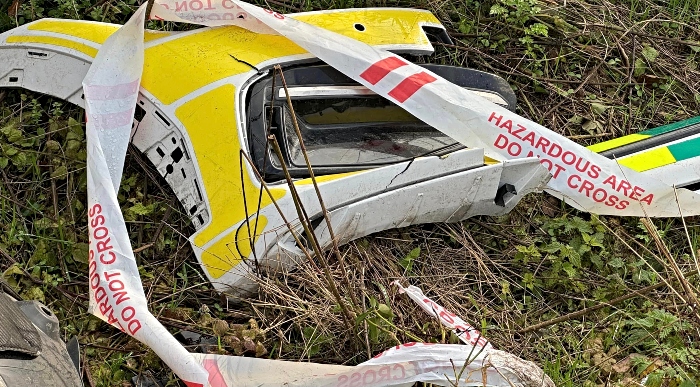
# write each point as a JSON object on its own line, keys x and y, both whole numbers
{"x": 617, "y": 142}
{"x": 49, "y": 40}
{"x": 654, "y": 158}
{"x": 210, "y": 121}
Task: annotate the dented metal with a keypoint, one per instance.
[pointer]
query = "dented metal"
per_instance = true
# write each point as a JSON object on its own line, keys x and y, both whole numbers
{"x": 192, "y": 122}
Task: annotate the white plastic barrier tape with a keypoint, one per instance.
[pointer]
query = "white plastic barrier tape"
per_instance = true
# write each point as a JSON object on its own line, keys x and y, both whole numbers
{"x": 467, "y": 333}
{"x": 584, "y": 179}
{"x": 116, "y": 293}
{"x": 439, "y": 364}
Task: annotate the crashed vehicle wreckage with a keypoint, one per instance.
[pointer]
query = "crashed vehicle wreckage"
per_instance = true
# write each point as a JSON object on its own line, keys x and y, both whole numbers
{"x": 208, "y": 102}
{"x": 208, "y": 94}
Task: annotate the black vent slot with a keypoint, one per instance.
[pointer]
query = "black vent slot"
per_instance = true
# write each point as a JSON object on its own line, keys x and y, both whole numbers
{"x": 139, "y": 114}
{"x": 14, "y": 79}
{"x": 176, "y": 155}
{"x": 199, "y": 193}
{"x": 162, "y": 118}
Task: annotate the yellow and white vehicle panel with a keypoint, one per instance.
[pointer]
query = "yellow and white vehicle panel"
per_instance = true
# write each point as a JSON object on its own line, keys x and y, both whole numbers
{"x": 191, "y": 124}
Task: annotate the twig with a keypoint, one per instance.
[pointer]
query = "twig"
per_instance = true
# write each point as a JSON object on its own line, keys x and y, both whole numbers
{"x": 588, "y": 77}
{"x": 691, "y": 299}
{"x": 651, "y": 36}
{"x": 142, "y": 248}
{"x": 149, "y": 7}
{"x": 631, "y": 88}
{"x": 324, "y": 211}
{"x": 279, "y": 210}
{"x": 592, "y": 309}
{"x": 303, "y": 218}
{"x": 98, "y": 4}
{"x": 588, "y": 136}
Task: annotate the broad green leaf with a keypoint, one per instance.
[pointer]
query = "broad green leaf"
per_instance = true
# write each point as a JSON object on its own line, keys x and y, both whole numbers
{"x": 61, "y": 171}
{"x": 599, "y": 108}
{"x": 385, "y": 311}
{"x": 639, "y": 67}
{"x": 34, "y": 293}
{"x": 80, "y": 252}
{"x": 649, "y": 53}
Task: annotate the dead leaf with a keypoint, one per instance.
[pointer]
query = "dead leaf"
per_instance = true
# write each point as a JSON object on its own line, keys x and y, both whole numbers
{"x": 649, "y": 80}
{"x": 625, "y": 364}
{"x": 13, "y": 9}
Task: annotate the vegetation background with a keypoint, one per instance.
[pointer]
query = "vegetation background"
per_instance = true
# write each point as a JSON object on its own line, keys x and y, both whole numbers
{"x": 590, "y": 69}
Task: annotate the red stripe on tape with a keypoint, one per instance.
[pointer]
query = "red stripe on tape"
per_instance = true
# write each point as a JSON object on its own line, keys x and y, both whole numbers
{"x": 410, "y": 85}
{"x": 105, "y": 93}
{"x": 215, "y": 377}
{"x": 380, "y": 69}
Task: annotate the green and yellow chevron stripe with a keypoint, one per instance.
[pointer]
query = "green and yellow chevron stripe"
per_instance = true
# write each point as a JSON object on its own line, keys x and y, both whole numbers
{"x": 644, "y": 160}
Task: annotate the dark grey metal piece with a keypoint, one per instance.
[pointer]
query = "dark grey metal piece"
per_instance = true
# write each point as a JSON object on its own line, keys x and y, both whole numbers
{"x": 17, "y": 333}
{"x": 73, "y": 348}
{"x": 44, "y": 360}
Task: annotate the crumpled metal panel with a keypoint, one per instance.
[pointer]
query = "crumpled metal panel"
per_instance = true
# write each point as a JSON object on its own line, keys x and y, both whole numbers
{"x": 17, "y": 333}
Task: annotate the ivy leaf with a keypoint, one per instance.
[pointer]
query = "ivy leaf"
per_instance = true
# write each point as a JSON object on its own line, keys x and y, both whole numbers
{"x": 80, "y": 252}
{"x": 61, "y": 171}
{"x": 616, "y": 262}
{"x": 140, "y": 209}
{"x": 569, "y": 269}
{"x": 639, "y": 67}
{"x": 649, "y": 53}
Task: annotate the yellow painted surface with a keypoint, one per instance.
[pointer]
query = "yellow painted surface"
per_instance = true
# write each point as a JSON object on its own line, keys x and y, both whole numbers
{"x": 211, "y": 125}
{"x": 325, "y": 178}
{"x": 231, "y": 249}
{"x": 490, "y": 161}
{"x": 60, "y": 42}
{"x": 618, "y": 142}
{"x": 382, "y": 27}
{"x": 149, "y": 35}
{"x": 178, "y": 67}
{"x": 649, "y": 160}
{"x": 94, "y": 32}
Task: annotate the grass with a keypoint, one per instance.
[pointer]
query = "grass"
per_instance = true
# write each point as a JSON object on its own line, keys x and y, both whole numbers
{"x": 589, "y": 70}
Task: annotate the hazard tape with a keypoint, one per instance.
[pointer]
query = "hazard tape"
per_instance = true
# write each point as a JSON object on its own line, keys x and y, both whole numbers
{"x": 585, "y": 179}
